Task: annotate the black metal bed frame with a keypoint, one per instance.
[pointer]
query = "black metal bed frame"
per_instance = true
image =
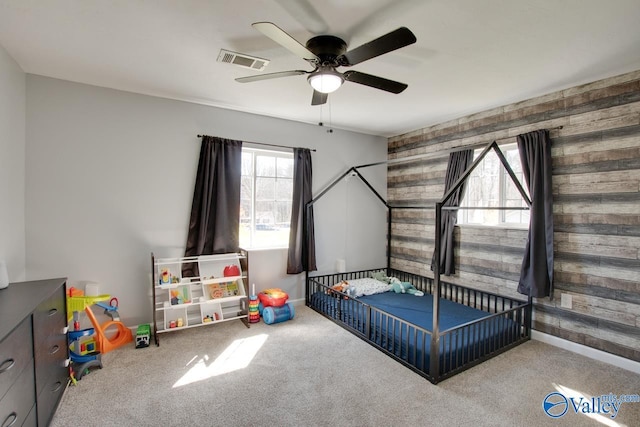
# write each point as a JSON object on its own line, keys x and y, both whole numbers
{"x": 367, "y": 325}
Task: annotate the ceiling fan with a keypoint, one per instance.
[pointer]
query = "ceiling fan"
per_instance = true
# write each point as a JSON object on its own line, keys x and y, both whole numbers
{"x": 326, "y": 53}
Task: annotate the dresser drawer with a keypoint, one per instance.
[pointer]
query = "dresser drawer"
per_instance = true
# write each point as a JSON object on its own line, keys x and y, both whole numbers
{"x": 32, "y": 418}
{"x": 17, "y": 403}
{"x": 49, "y": 317}
{"x": 16, "y": 352}
{"x": 49, "y": 397}
{"x": 50, "y": 359}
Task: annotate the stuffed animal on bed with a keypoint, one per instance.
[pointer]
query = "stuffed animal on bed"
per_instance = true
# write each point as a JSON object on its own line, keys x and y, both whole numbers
{"x": 405, "y": 288}
{"x": 380, "y": 275}
{"x": 341, "y": 287}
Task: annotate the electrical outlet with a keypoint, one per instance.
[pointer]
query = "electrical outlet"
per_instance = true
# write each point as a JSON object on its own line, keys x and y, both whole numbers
{"x": 566, "y": 301}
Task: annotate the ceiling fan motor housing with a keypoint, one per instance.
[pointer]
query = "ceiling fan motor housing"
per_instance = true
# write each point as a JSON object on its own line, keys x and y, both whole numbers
{"x": 327, "y": 48}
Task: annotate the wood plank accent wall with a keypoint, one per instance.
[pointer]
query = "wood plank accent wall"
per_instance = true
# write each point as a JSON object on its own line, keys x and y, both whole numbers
{"x": 596, "y": 187}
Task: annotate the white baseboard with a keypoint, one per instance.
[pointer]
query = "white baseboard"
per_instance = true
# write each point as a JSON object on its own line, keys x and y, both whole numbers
{"x": 589, "y": 352}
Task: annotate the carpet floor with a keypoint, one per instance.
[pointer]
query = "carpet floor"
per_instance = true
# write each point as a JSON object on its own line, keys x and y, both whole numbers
{"x": 310, "y": 372}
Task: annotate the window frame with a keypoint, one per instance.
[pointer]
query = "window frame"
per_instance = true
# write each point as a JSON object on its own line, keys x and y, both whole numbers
{"x": 276, "y": 154}
{"x": 503, "y": 180}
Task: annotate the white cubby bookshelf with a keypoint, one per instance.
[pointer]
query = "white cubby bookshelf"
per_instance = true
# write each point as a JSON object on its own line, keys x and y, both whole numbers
{"x": 217, "y": 293}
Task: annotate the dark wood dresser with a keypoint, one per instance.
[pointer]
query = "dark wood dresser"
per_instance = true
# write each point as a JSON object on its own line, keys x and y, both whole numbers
{"x": 33, "y": 351}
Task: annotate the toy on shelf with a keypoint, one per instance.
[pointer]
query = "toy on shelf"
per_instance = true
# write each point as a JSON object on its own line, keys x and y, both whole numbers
{"x": 231, "y": 271}
{"x": 76, "y": 302}
{"x": 223, "y": 289}
{"x": 165, "y": 276}
{"x": 210, "y": 318}
{"x": 180, "y": 295}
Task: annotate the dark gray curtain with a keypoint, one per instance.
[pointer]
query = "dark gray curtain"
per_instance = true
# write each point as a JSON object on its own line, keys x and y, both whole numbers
{"x": 302, "y": 248}
{"x": 215, "y": 211}
{"x": 459, "y": 161}
{"x": 536, "y": 275}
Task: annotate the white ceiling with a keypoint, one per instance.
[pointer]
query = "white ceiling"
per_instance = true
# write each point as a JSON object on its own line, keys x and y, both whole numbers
{"x": 471, "y": 55}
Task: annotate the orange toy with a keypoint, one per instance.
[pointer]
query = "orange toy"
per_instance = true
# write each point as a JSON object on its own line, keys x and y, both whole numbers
{"x": 123, "y": 334}
{"x": 340, "y": 287}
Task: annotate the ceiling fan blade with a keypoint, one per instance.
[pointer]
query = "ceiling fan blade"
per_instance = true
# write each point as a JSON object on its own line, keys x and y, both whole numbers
{"x": 374, "y": 81}
{"x": 279, "y": 36}
{"x": 389, "y": 42}
{"x": 319, "y": 98}
{"x": 269, "y": 76}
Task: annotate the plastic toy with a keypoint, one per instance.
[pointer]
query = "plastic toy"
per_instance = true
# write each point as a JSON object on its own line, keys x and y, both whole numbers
{"x": 143, "y": 336}
{"x": 176, "y": 297}
{"x": 111, "y": 309}
{"x": 122, "y": 334}
{"x": 165, "y": 276}
{"x": 274, "y": 297}
{"x": 254, "y": 309}
{"x": 83, "y": 352}
{"x": 231, "y": 271}
{"x": 273, "y": 315}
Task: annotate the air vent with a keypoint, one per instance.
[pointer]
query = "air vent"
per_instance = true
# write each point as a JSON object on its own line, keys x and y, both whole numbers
{"x": 242, "y": 60}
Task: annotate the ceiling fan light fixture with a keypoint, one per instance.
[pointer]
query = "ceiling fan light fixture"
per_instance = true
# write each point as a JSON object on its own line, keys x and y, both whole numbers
{"x": 326, "y": 81}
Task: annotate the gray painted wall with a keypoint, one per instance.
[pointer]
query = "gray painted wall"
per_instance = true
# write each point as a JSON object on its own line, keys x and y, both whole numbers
{"x": 596, "y": 190}
{"x": 12, "y": 166}
{"x": 110, "y": 178}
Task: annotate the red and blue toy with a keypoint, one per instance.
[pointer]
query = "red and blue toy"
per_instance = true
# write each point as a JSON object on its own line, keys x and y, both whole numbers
{"x": 274, "y": 306}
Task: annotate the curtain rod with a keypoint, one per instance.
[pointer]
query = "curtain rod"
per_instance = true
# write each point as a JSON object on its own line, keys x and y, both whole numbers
{"x": 425, "y": 156}
{"x": 268, "y": 145}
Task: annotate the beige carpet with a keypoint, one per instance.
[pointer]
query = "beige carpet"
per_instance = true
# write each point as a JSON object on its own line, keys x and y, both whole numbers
{"x": 310, "y": 372}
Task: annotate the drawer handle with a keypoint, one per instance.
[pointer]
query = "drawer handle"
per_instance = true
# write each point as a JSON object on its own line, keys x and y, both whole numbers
{"x": 54, "y": 349}
{"x": 58, "y": 384}
{"x": 6, "y": 365}
{"x": 53, "y": 311}
{"x": 13, "y": 416}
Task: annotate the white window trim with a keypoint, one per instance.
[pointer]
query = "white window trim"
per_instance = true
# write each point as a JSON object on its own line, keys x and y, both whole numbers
{"x": 502, "y": 189}
{"x": 273, "y": 153}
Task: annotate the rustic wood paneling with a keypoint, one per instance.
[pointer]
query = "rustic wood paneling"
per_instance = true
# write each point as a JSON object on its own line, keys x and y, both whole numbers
{"x": 596, "y": 185}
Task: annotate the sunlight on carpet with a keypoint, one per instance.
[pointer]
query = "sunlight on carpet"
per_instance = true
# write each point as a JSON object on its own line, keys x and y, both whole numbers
{"x": 237, "y": 356}
{"x": 569, "y": 392}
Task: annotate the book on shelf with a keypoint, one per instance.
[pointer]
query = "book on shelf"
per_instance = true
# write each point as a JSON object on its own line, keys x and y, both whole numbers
{"x": 232, "y": 288}
{"x": 221, "y": 290}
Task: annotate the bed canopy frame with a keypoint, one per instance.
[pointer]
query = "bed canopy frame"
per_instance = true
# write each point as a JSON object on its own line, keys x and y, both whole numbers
{"x": 434, "y": 369}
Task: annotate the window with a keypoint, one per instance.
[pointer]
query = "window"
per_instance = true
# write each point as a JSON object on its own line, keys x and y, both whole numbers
{"x": 489, "y": 185}
{"x": 265, "y": 198}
